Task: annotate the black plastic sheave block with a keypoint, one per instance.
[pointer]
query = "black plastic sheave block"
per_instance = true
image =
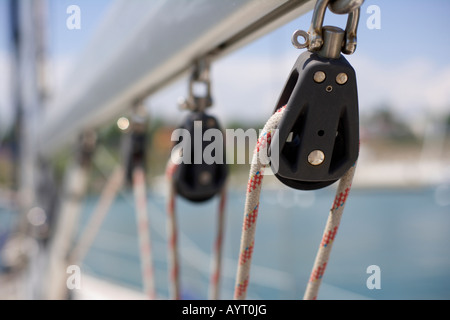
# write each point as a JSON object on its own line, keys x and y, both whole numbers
{"x": 199, "y": 182}
{"x": 321, "y": 114}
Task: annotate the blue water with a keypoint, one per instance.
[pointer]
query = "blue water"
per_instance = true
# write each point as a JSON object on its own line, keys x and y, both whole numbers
{"x": 404, "y": 232}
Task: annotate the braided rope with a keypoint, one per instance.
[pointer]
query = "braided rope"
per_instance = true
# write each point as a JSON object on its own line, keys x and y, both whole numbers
{"x": 142, "y": 221}
{"x": 107, "y": 197}
{"x": 329, "y": 235}
{"x": 172, "y": 231}
{"x": 218, "y": 245}
{"x": 251, "y": 214}
{"x": 252, "y": 206}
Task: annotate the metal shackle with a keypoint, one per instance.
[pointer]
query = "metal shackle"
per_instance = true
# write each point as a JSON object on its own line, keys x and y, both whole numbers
{"x": 314, "y": 40}
{"x": 200, "y": 74}
{"x": 344, "y": 6}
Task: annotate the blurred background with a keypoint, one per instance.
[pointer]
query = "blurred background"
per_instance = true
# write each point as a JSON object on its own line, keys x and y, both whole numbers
{"x": 59, "y": 80}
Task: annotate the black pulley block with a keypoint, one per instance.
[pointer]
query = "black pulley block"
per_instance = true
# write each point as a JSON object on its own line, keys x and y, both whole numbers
{"x": 319, "y": 132}
{"x": 199, "y": 181}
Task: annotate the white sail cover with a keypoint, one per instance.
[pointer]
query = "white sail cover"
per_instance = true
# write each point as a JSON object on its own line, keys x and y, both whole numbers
{"x": 142, "y": 46}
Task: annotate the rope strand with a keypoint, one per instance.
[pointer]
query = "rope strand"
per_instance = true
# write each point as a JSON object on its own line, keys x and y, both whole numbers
{"x": 331, "y": 228}
{"x": 107, "y": 196}
{"x": 143, "y": 228}
{"x": 214, "y": 287}
{"x": 252, "y": 206}
{"x": 172, "y": 232}
{"x": 251, "y": 215}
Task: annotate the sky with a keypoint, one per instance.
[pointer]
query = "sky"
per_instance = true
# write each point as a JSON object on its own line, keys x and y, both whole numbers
{"x": 403, "y": 65}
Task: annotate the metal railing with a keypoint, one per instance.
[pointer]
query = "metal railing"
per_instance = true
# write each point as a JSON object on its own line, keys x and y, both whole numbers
{"x": 122, "y": 65}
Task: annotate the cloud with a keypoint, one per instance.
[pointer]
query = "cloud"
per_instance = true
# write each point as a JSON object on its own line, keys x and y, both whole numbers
{"x": 57, "y": 71}
{"x": 251, "y": 86}
{"x": 243, "y": 89}
{"x": 247, "y": 88}
{"x": 414, "y": 85}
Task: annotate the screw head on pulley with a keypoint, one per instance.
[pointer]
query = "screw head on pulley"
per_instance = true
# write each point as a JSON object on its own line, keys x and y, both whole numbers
{"x": 341, "y": 78}
{"x": 319, "y": 76}
{"x": 316, "y": 157}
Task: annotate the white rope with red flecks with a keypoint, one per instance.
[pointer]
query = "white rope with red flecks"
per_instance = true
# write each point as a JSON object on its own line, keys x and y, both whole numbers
{"x": 251, "y": 215}
{"x": 214, "y": 283}
{"x": 109, "y": 193}
{"x": 331, "y": 228}
{"x": 172, "y": 231}
{"x": 143, "y": 227}
{"x": 252, "y": 206}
